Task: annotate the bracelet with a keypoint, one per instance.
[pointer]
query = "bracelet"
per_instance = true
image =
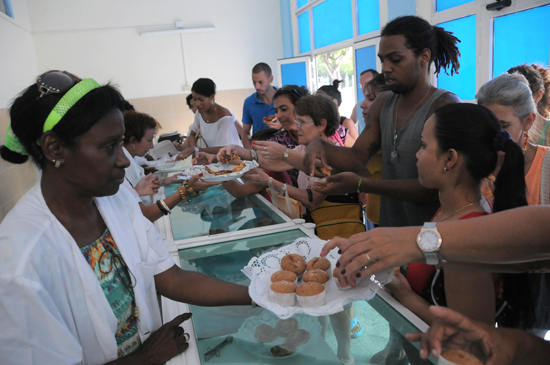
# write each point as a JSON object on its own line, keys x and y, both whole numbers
{"x": 359, "y": 185}
{"x": 161, "y": 208}
{"x": 182, "y": 194}
{"x": 163, "y": 203}
{"x": 283, "y": 190}
{"x": 309, "y": 195}
{"x": 188, "y": 189}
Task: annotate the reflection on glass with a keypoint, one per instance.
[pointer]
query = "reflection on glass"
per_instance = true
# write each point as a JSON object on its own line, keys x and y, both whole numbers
{"x": 338, "y": 65}
{"x": 303, "y": 29}
{"x": 215, "y": 211}
{"x": 213, "y": 325}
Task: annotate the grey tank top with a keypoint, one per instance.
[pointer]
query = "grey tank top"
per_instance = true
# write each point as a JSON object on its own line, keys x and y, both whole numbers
{"x": 394, "y": 212}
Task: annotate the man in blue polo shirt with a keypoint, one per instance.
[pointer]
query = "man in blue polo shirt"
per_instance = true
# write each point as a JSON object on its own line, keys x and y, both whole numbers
{"x": 260, "y": 104}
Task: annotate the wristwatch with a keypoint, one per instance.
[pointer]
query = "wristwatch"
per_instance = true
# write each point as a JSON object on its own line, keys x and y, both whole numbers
{"x": 429, "y": 241}
{"x": 285, "y": 155}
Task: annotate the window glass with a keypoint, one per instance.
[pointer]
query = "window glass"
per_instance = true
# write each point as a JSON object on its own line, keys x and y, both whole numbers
{"x": 368, "y": 16}
{"x": 464, "y": 83}
{"x": 332, "y": 22}
{"x": 338, "y": 65}
{"x": 294, "y": 74}
{"x": 365, "y": 58}
{"x": 521, "y": 38}
{"x": 300, "y": 3}
{"x": 447, "y": 4}
{"x": 303, "y": 28}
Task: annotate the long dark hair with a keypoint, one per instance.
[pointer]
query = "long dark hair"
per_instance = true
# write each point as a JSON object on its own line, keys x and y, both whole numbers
{"x": 471, "y": 129}
{"x": 29, "y": 111}
{"x": 420, "y": 35}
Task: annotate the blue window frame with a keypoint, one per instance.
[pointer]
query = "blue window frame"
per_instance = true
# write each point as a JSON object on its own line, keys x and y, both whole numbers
{"x": 464, "y": 83}
{"x": 516, "y": 41}
{"x": 365, "y": 58}
{"x": 303, "y": 29}
{"x": 5, "y": 7}
{"x": 368, "y": 16}
{"x": 448, "y": 4}
{"x": 294, "y": 74}
{"x": 332, "y": 22}
{"x": 300, "y": 3}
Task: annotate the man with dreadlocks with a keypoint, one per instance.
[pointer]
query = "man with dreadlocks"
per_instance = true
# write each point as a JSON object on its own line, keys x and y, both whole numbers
{"x": 408, "y": 46}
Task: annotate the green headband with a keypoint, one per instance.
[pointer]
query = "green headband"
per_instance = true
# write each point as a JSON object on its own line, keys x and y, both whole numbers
{"x": 13, "y": 144}
{"x": 68, "y": 101}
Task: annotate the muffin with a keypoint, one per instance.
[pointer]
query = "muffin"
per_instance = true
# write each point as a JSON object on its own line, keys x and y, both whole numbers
{"x": 311, "y": 295}
{"x": 316, "y": 276}
{"x": 283, "y": 293}
{"x": 284, "y": 275}
{"x": 321, "y": 263}
{"x": 286, "y": 326}
{"x": 458, "y": 357}
{"x": 294, "y": 262}
{"x": 265, "y": 333}
{"x": 298, "y": 337}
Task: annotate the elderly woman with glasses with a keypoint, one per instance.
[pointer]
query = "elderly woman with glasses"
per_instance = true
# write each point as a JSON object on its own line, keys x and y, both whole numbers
{"x": 81, "y": 266}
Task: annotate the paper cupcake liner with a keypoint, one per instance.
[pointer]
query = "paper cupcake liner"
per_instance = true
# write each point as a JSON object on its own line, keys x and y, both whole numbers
{"x": 312, "y": 301}
{"x": 444, "y": 361}
{"x": 283, "y": 299}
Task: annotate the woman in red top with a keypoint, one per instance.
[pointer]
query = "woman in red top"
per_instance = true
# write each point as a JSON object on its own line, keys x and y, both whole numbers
{"x": 459, "y": 148}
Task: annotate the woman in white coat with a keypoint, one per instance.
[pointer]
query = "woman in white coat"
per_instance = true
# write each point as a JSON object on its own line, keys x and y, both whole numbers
{"x": 78, "y": 259}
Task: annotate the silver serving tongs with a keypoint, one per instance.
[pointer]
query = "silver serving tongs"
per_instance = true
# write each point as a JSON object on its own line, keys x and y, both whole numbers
{"x": 216, "y": 350}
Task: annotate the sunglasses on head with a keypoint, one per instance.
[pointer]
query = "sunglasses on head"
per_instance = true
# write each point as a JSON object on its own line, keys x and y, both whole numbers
{"x": 55, "y": 82}
{"x": 292, "y": 89}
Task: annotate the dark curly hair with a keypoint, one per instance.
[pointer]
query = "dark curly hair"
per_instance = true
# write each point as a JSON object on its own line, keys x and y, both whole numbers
{"x": 538, "y": 79}
{"x": 137, "y": 124}
{"x": 293, "y": 92}
{"x": 419, "y": 35}
{"x": 29, "y": 111}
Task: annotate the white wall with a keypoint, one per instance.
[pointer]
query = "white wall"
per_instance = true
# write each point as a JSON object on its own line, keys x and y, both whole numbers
{"x": 78, "y": 35}
{"x": 18, "y": 67}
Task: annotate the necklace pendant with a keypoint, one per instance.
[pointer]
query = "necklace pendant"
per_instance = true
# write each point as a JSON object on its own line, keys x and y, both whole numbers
{"x": 394, "y": 156}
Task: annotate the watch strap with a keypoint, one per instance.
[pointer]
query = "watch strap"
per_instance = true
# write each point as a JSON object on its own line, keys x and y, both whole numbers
{"x": 429, "y": 224}
{"x": 432, "y": 258}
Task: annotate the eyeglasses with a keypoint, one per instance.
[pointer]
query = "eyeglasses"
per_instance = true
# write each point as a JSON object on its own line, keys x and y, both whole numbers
{"x": 300, "y": 124}
{"x": 55, "y": 82}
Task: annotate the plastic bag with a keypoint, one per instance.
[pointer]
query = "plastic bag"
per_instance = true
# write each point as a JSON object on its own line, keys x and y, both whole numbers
{"x": 286, "y": 204}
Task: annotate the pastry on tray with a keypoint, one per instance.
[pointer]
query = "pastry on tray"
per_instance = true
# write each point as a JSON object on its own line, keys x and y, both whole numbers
{"x": 284, "y": 275}
{"x": 294, "y": 262}
{"x": 311, "y": 295}
{"x": 283, "y": 293}
{"x": 316, "y": 276}
{"x": 321, "y": 263}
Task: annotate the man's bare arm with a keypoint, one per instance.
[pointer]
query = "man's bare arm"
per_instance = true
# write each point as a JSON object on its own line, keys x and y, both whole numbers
{"x": 245, "y": 136}
{"x": 408, "y": 190}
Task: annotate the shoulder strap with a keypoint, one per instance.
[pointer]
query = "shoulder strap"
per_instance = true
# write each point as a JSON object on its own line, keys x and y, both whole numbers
{"x": 545, "y": 180}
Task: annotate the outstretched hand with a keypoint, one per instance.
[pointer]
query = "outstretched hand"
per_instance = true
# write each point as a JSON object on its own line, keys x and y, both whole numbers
{"x": 185, "y": 153}
{"x": 378, "y": 249}
{"x": 225, "y": 152}
{"x": 315, "y": 156}
{"x": 269, "y": 150}
{"x": 203, "y": 158}
{"x": 256, "y": 176}
{"x": 339, "y": 184}
{"x": 454, "y": 330}
{"x": 166, "y": 342}
{"x": 147, "y": 185}
{"x": 198, "y": 185}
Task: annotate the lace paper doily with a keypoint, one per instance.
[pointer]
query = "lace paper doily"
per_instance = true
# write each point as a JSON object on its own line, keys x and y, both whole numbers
{"x": 246, "y": 340}
{"x": 200, "y": 169}
{"x": 259, "y": 270}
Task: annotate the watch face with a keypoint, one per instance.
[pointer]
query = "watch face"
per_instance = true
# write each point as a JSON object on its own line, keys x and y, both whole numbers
{"x": 429, "y": 241}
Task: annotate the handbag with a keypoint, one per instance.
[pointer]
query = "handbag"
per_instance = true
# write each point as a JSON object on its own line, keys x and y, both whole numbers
{"x": 291, "y": 207}
{"x": 200, "y": 142}
{"x": 342, "y": 219}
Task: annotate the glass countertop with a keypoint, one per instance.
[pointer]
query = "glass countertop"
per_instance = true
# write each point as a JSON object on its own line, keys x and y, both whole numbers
{"x": 215, "y": 211}
{"x": 381, "y": 324}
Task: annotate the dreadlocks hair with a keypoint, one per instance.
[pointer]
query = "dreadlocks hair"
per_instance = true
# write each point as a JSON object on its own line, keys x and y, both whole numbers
{"x": 419, "y": 35}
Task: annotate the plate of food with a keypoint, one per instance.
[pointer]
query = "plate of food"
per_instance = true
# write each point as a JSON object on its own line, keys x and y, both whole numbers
{"x": 267, "y": 336}
{"x": 219, "y": 172}
{"x": 314, "y": 288}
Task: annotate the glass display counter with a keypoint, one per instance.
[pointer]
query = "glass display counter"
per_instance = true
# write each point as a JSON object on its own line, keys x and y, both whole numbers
{"x": 221, "y": 335}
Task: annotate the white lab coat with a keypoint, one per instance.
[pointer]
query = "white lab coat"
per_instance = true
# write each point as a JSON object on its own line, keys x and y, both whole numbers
{"x": 52, "y": 307}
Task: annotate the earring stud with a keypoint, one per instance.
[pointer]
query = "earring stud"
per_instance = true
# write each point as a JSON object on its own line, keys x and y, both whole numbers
{"x": 445, "y": 169}
{"x": 56, "y": 163}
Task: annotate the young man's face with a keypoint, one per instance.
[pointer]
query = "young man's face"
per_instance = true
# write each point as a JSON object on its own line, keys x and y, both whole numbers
{"x": 400, "y": 66}
{"x": 261, "y": 82}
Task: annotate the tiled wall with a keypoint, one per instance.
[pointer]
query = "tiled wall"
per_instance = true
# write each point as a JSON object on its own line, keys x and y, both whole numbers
{"x": 170, "y": 111}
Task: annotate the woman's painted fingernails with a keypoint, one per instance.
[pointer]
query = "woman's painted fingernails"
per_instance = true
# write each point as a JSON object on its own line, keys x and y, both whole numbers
{"x": 343, "y": 272}
{"x": 358, "y": 275}
{"x": 340, "y": 251}
{"x": 337, "y": 264}
{"x": 322, "y": 253}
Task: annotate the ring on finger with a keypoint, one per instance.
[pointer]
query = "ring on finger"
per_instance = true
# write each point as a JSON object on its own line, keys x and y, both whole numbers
{"x": 186, "y": 337}
{"x": 265, "y": 148}
{"x": 368, "y": 258}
